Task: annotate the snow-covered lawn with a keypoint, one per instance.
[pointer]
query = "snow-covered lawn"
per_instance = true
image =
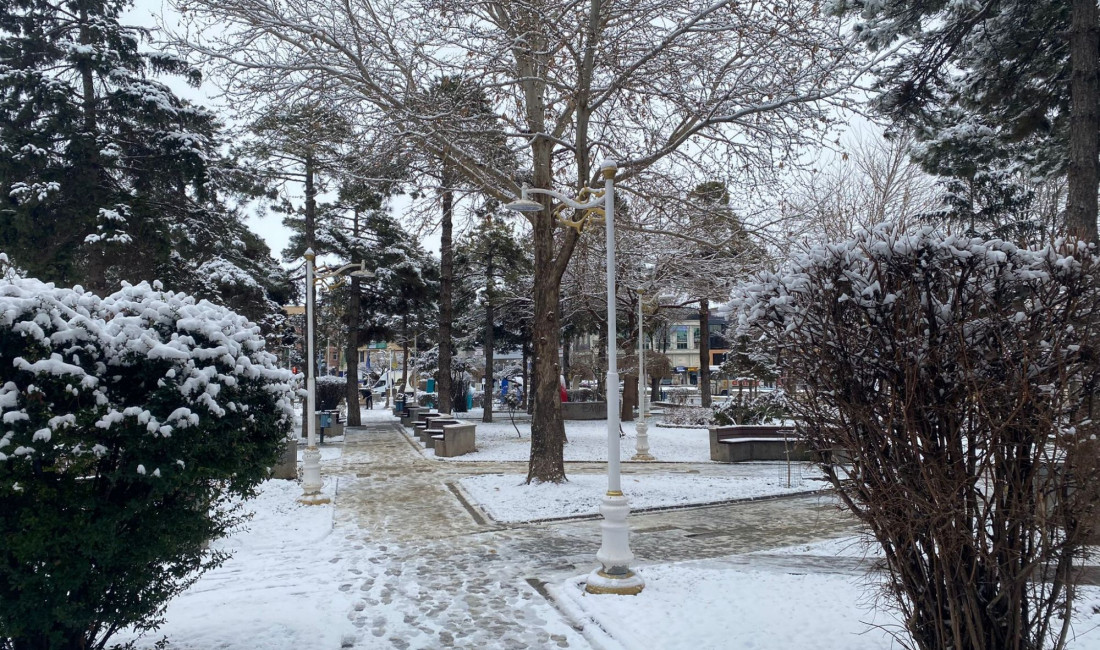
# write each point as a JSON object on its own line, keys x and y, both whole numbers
{"x": 506, "y": 498}
{"x": 736, "y": 603}
{"x": 277, "y": 591}
{"x": 499, "y": 441}
{"x": 713, "y": 604}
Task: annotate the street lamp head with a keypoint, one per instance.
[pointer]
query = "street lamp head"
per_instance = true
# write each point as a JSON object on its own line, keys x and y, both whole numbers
{"x": 362, "y": 273}
{"x": 524, "y": 205}
{"x": 609, "y": 167}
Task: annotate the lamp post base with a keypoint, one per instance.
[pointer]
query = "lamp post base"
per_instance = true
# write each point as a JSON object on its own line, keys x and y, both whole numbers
{"x": 615, "y": 576}
{"x": 641, "y": 445}
{"x": 628, "y": 584}
{"x": 311, "y": 478}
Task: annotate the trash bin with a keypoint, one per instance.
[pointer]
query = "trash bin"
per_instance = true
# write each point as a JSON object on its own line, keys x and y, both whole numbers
{"x": 431, "y": 386}
{"x": 324, "y": 421}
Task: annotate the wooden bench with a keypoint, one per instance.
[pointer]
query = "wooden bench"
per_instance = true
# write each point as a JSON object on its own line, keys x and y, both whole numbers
{"x": 454, "y": 440}
{"x": 733, "y": 444}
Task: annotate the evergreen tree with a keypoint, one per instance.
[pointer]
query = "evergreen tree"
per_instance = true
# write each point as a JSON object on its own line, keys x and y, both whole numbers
{"x": 494, "y": 264}
{"x": 994, "y": 84}
{"x": 106, "y": 175}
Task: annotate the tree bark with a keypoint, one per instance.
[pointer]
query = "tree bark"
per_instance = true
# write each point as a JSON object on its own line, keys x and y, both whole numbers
{"x": 404, "y": 356}
{"x": 704, "y": 352}
{"x": 310, "y": 237}
{"x": 446, "y": 283}
{"x": 487, "y": 394}
{"x": 1084, "y": 43}
{"x": 547, "y": 463}
{"x": 352, "y": 353}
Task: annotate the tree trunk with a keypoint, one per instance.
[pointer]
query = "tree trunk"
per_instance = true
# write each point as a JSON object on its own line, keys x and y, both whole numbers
{"x": 310, "y": 237}
{"x": 566, "y": 354}
{"x": 704, "y": 352}
{"x": 487, "y": 394}
{"x": 1081, "y": 209}
{"x": 446, "y": 282}
{"x": 524, "y": 350}
{"x": 547, "y": 462}
{"x": 629, "y": 399}
{"x": 352, "y": 353}
{"x": 404, "y": 356}
{"x": 630, "y": 380}
{"x": 654, "y": 389}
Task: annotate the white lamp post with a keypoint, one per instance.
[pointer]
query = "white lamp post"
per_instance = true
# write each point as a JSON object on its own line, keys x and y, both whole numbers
{"x": 641, "y": 441}
{"x": 615, "y": 576}
{"x": 311, "y": 458}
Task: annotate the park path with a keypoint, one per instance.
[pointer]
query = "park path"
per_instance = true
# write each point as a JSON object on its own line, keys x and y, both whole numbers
{"x": 441, "y": 574}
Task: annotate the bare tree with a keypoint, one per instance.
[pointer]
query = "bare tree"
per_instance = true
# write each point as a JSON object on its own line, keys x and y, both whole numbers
{"x": 947, "y": 383}
{"x": 660, "y": 85}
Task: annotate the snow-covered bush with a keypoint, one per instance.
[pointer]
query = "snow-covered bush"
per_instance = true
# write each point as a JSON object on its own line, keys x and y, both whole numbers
{"x": 330, "y": 389}
{"x": 688, "y": 416}
{"x": 680, "y": 394}
{"x": 127, "y": 424}
{"x": 948, "y": 387}
{"x": 761, "y": 408}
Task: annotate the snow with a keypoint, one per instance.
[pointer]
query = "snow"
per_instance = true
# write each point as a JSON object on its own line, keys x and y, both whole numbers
{"x": 498, "y": 441}
{"x": 726, "y": 603}
{"x": 283, "y": 589}
{"x": 507, "y": 498}
{"x": 277, "y": 591}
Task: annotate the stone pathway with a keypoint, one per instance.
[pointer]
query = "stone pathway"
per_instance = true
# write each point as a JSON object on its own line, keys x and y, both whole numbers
{"x": 445, "y": 576}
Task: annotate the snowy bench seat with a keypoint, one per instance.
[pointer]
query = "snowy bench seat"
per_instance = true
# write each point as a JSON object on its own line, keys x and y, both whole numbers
{"x": 454, "y": 440}
{"x": 425, "y": 431}
{"x": 735, "y": 444}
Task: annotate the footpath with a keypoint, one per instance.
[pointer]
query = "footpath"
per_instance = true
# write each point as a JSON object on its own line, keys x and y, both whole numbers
{"x": 444, "y": 575}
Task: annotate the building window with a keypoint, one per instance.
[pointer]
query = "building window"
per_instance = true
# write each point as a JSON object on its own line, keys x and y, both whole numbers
{"x": 680, "y": 334}
{"x": 695, "y": 338}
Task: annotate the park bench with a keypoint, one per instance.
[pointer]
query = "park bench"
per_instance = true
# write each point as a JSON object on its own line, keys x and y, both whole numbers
{"x": 410, "y": 415}
{"x": 425, "y": 430}
{"x": 732, "y": 444}
{"x": 423, "y": 416}
{"x": 454, "y": 440}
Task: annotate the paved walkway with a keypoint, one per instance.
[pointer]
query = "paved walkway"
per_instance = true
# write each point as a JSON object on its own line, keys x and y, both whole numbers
{"x": 446, "y": 576}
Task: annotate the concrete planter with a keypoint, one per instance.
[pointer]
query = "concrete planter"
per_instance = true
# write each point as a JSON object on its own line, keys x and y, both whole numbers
{"x": 584, "y": 410}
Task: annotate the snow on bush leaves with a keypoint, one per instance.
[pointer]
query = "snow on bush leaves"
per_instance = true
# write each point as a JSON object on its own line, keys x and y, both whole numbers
{"x": 128, "y": 426}
{"x": 79, "y": 349}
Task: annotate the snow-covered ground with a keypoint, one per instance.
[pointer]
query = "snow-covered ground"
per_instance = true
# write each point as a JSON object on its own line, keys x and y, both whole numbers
{"x": 296, "y": 583}
{"x": 587, "y": 441}
{"x": 277, "y": 591}
{"x": 507, "y": 498}
{"x": 738, "y": 602}
{"x": 718, "y": 604}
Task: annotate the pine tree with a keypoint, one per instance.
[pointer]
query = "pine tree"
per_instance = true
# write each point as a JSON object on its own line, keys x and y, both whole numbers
{"x": 494, "y": 264}
{"x": 995, "y": 82}
{"x": 108, "y": 176}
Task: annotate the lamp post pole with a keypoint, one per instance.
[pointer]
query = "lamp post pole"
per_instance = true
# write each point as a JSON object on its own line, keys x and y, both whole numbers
{"x": 641, "y": 441}
{"x": 614, "y": 576}
{"x": 311, "y": 458}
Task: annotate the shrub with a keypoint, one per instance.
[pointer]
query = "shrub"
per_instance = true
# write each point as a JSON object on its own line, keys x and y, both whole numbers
{"x": 126, "y": 426}
{"x": 688, "y": 416}
{"x": 330, "y": 389}
{"x": 956, "y": 375}
{"x": 761, "y": 408}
